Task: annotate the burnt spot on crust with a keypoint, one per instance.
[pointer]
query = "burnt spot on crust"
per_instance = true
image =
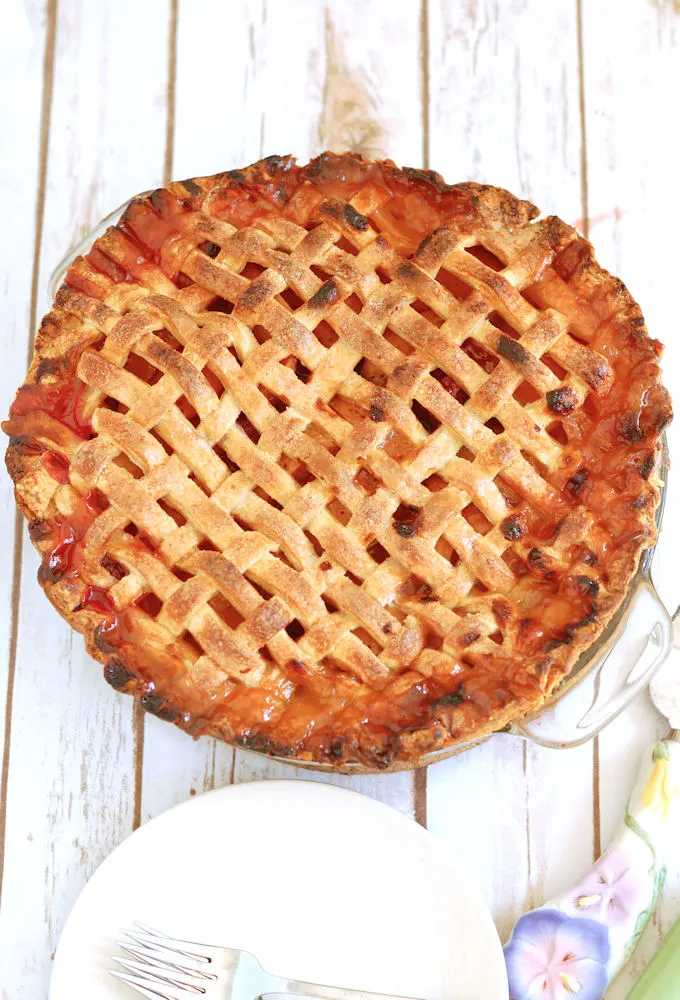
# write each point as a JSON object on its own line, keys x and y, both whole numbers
{"x": 647, "y": 466}
{"x": 254, "y": 296}
{"x": 451, "y": 700}
{"x": 405, "y": 530}
{"x": 513, "y": 528}
{"x": 408, "y": 271}
{"x": 628, "y": 427}
{"x": 641, "y": 502}
{"x": 551, "y": 644}
{"x": 115, "y": 673}
{"x": 56, "y": 565}
{"x": 376, "y": 414}
{"x": 236, "y": 176}
{"x": 275, "y": 164}
{"x": 100, "y": 640}
{"x": 23, "y": 444}
{"x": 598, "y": 374}
{"x": 429, "y": 177}
{"x": 49, "y": 367}
{"x": 387, "y": 628}
{"x": 317, "y": 166}
{"x": 191, "y": 186}
{"x": 569, "y": 636}
{"x": 436, "y": 244}
{"x": 562, "y": 400}
{"x": 157, "y": 198}
{"x": 500, "y": 608}
{"x": 587, "y": 619}
{"x": 263, "y": 172}
{"x": 39, "y": 531}
{"x": 377, "y": 746}
{"x": 325, "y": 296}
{"x": 660, "y": 411}
{"x": 470, "y": 637}
{"x": 511, "y": 350}
{"x": 574, "y": 259}
{"x": 156, "y": 705}
{"x": 536, "y": 557}
{"x": 577, "y": 481}
{"x": 336, "y": 748}
{"x": 587, "y": 586}
{"x": 355, "y": 219}
{"x": 263, "y": 744}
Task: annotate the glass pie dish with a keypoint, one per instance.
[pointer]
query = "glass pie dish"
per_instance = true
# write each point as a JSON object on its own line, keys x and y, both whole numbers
{"x": 607, "y": 676}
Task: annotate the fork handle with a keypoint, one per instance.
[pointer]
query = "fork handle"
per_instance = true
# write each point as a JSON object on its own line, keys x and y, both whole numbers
{"x": 329, "y": 993}
{"x": 313, "y": 991}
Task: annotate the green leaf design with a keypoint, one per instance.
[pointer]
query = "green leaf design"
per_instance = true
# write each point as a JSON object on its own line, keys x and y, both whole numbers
{"x": 640, "y": 832}
{"x": 643, "y": 918}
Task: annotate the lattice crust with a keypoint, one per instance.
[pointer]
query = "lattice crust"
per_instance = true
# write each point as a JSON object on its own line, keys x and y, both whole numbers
{"x": 338, "y": 462}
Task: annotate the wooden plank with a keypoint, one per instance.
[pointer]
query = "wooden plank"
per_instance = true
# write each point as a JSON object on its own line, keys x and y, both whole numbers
{"x": 328, "y": 86}
{"x": 507, "y": 113}
{"x": 208, "y": 135}
{"x": 23, "y": 48}
{"x": 70, "y": 795}
{"x": 632, "y": 223}
{"x": 368, "y": 103}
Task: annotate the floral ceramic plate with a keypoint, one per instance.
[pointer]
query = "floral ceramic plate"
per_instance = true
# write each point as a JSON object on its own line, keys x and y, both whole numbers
{"x": 571, "y": 948}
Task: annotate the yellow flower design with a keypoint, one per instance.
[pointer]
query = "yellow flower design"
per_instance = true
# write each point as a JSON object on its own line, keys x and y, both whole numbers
{"x": 661, "y": 790}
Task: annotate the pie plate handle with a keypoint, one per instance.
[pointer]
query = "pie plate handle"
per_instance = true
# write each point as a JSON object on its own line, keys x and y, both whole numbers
{"x": 81, "y": 247}
{"x": 628, "y": 659}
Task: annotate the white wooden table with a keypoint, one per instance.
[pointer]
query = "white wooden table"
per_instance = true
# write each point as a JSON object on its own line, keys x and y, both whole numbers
{"x": 570, "y": 104}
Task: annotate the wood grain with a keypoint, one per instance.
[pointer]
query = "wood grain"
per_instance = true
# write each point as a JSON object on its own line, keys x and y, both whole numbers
{"x": 26, "y": 50}
{"x": 567, "y": 103}
{"x": 508, "y": 113}
{"x": 328, "y": 87}
{"x": 363, "y": 100}
{"x": 634, "y": 215}
{"x": 69, "y": 783}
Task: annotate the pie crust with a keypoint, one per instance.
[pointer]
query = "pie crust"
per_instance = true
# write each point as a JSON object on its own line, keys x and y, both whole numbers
{"x": 338, "y": 462}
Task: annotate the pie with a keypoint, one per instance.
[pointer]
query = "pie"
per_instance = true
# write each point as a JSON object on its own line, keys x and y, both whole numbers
{"x": 339, "y": 462}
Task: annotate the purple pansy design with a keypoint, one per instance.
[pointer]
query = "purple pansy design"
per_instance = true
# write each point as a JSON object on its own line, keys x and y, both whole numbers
{"x": 611, "y": 891}
{"x": 552, "y": 956}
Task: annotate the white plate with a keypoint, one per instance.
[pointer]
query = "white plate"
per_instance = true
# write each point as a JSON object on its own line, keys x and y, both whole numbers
{"x": 320, "y": 883}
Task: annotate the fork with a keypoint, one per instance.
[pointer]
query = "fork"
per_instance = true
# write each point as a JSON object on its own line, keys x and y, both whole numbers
{"x": 166, "y": 968}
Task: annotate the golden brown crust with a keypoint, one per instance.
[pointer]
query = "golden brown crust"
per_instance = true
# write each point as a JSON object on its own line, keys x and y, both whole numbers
{"x": 338, "y": 462}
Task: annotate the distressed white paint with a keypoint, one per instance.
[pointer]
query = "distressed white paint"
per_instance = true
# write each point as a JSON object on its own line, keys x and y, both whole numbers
{"x": 21, "y": 54}
{"x": 632, "y": 76}
{"x": 70, "y": 792}
{"x": 253, "y": 78}
{"x": 507, "y": 113}
{"x": 329, "y": 86}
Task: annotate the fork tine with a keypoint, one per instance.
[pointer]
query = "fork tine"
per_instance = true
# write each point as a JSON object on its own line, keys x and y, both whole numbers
{"x": 153, "y": 940}
{"x": 172, "y": 943}
{"x": 158, "y": 963}
{"x": 137, "y": 984}
{"x": 155, "y": 951}
{"x": 164, "y": 958}
{"x": 162, "y": 976}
